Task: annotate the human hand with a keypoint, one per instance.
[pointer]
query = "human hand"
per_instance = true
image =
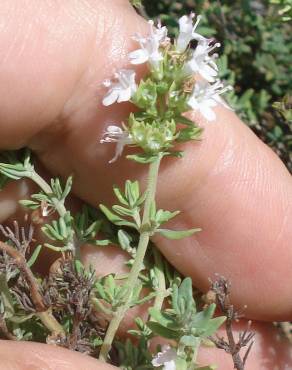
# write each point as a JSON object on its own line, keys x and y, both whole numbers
{"x": 54, "y": 59}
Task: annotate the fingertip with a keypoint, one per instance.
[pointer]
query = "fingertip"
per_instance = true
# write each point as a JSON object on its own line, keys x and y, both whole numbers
{"x": 36, "y": 356}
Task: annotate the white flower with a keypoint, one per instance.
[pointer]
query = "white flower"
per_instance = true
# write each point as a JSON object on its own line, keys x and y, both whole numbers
{"x": 122, "y": 90}
{"x": 114, "y": 134}
{"x": 46, "y": 209}
{"x": 205, "y": 97}
{"x": 166, "y": 358}
{"x": 187, "y": 32}
{"x": 202, "y": 63}
{"x": 149, "y": 50}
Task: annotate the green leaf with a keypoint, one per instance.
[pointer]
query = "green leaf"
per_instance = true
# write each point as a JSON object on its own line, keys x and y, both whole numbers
{"x": 181, "y": 364}
{"x": 164, "y": 216}
{"x": 34, "y": 256}
{"x": 214, "y": 325}
{"x": 60, "y": 229}
{"x": 17, "y": 319}
{"x": 164, "y": 319}
{"x": 185, "y": 121}
{"x": 102, "y": 242}
{"x": 176, "y": 234}
{"x": 79, "y": 267}
{"x": 189, "y": 340}
{"x": 110, "y": 215}
{"x": 6, "y": 297}
{"x": 122, "y": 211}
{"x": 51, "y": 232}
{"x": 68, "y": 187}
{"x": 132, "y": 192}
{"x": 29, "y": 203}
{"x": 202, "y": 323}
{"x": 124, "y": 240}
{"x": 115, "y": 219}
{"x": 189, "y": 133}
{"x": 146, "y": 95}
{"x": 163, "y": 331}
{"x": 142, "y": 158}
{"x": 121, "y": 197}
{"x": 182, "y": 298}
{"x": 87, "y": 226}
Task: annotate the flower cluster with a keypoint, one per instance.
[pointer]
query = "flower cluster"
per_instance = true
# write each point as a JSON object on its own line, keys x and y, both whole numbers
{"x": 180, "y": 79}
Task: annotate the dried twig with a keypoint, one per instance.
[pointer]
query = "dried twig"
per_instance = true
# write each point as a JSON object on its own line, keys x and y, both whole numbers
{"x": 18, "y": 236}
{"x": 42, "y": 310}
{"x": 20, "y": 261}
{"x": 221, "y": 288}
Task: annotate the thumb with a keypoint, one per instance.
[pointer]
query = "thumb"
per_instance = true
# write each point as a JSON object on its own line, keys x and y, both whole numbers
{"x": 53, "y": 56}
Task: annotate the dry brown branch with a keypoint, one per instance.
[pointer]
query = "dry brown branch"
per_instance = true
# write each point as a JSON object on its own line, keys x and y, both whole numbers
{"x": 221, "y": 288}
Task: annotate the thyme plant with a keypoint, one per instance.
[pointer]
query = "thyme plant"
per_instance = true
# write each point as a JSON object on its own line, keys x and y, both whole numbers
{"x": 73, "y": 308}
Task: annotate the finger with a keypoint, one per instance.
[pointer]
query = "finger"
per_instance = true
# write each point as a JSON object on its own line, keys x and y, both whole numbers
{"x": 51, "y": 54}
{"x": 268, "y": 352}
{"x": 230, "y": 184}
{"x": 46, "y": 357}
{"x": 9, "y": 197}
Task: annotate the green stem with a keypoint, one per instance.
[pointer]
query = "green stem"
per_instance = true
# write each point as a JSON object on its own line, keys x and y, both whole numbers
{"x": 137, "y": 265}
{"x": 194, "y": 364}
{"x": 59, "y": 206}
{"x": 50, "y": 322}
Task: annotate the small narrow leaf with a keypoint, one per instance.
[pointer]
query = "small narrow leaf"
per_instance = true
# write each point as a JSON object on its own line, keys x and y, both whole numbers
{"x": 124, "y": 240}
{"x": 132, "y": 192}
{"x": 110, "y": 215}
{"x": 122, "y": 211}
{"x": 164, "y": 319}
{"x": 163, "y": 331}
{"x": 214, "y": 325}
{"x": 176, "y": 234}
{"x": 29, "y": 203}
{"x": 68, "y": 187}
{"x": 121, "y": 197}
{"x": 142, "y": 158}
{"x": 34, "y": 256}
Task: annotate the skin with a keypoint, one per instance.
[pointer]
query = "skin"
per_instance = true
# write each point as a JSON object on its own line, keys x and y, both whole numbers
{"x": 54, "y": 56}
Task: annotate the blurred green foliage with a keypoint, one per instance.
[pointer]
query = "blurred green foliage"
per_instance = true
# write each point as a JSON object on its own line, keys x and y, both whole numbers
{"x": 255, "y": 58}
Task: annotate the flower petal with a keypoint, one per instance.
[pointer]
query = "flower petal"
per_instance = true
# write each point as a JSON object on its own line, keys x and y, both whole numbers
{"x": 124, "y": 95}
{"x": 139, "y": 56}
{"x": 111, "y": 97}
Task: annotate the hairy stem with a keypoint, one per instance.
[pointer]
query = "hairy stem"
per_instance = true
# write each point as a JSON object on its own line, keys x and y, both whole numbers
{"x": 50, "y": 322}
{"x": 194, "y": 364}
{"x": 42, "y": 312}
{"x": 145, "y": 234}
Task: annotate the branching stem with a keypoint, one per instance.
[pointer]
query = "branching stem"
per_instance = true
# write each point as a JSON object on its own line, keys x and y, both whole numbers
{"x": 137, "y": 265}
{"x": 59, "y": 206}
